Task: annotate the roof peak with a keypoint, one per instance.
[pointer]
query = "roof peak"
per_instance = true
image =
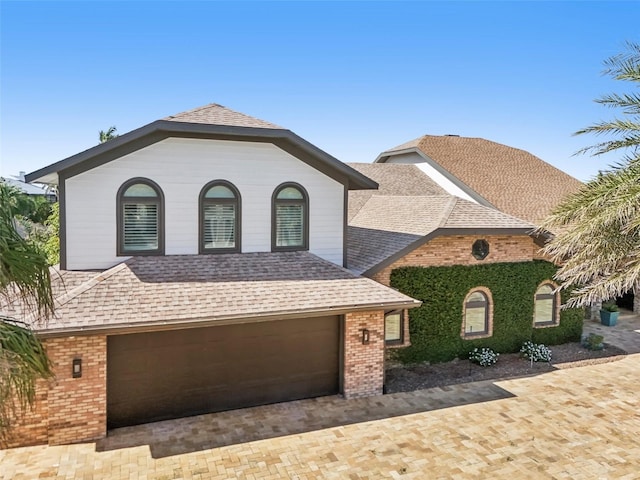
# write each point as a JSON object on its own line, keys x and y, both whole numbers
{"x": 216, "y": 114}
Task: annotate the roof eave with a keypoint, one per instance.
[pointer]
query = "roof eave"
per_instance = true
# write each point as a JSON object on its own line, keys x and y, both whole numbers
{"x": 178, "y": 324}
{"x": 160, "y": 129}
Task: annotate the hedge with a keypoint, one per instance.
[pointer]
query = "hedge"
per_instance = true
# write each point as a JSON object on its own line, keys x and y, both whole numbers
{"x": 435, "y": 326}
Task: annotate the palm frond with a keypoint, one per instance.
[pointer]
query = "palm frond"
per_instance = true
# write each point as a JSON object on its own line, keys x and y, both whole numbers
{"x": 23, "y": 361}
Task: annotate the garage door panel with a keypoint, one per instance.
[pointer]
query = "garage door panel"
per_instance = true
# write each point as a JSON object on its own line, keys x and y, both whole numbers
{"x": 160, "y": 375}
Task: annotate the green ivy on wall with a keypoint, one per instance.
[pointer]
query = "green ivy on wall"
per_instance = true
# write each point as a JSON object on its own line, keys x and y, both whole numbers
{"x": 435, "y": 326}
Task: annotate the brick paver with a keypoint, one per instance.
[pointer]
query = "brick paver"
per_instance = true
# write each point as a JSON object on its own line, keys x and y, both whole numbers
{"x": 578, "y": 423}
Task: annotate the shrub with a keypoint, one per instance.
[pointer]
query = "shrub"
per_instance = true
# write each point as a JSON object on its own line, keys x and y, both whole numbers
{"x": 593, "y": 342}
{"x": 536, "y": 352}
{"x": 484, "y": 357}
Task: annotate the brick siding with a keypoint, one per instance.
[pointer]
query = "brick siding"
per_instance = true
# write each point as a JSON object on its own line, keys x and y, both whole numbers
{"x": 68, "y": 409}
{"x": 456, "y": 250}
{"x": 363, "y": 364}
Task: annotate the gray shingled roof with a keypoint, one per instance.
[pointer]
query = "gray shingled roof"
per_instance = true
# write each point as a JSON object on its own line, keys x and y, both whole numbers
{"x": 405, "y": 180}
{"x": 171, "y": 291}
{"x": 214, "y": 114}
{"x": 513, "y": 180}
{"x": 367, "y": 247}
{"x": 387, "y": 225}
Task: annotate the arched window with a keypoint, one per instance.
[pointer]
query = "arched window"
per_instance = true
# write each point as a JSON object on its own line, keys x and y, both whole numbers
{"x": 477, "y": 314}
{"x": 219, "y": 218}
{"x": 290, "y": 218}
{"x": 140, "y": 218}
{"x": 545, "y": 305}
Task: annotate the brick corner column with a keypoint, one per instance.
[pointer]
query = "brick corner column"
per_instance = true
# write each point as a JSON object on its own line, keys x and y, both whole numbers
{"x": 363, "y": 364}
{"x": 78, "y": 406}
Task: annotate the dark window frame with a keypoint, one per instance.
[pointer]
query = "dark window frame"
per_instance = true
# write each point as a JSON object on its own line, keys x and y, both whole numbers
{"x": 275, "y": 202}
{"x": 476, "y": 304}
{"x": 237, "y": 201}
{"x": 480, "y": 249}
{"x": 399, "y": 341}
{"x": 159, "y": 200}
{"x": 545, "y": 296}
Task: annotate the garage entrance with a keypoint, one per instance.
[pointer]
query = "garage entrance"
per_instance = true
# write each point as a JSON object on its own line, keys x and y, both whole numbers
{"x": 171, "y": 374}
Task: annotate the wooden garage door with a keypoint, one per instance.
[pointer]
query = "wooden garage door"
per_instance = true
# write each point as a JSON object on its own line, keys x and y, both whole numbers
{"x": 162, "y": 375}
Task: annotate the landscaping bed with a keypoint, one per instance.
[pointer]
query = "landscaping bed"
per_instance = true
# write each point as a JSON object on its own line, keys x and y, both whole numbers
{"x": 407, "y": 378}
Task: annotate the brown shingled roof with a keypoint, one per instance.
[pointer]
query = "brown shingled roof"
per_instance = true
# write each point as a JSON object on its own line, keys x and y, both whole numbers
{"x": 514, "y": 181}
{"x": 405, "y": 180}
{"x": 159, "y": 292}
{"x": 214, "y": 114}
{"x": 387, "y": 225}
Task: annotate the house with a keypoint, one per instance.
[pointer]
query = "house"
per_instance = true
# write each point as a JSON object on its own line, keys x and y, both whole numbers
{"x": 18, "y": 181}
{"x": 202, "y": 269}
{"x": 488, "y": 173}
{"x": 491, "y": 174}
{"x": 477, "y": 270}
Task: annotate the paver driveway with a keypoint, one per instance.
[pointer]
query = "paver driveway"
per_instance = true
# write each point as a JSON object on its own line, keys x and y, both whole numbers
{"x": 579, "y": 423}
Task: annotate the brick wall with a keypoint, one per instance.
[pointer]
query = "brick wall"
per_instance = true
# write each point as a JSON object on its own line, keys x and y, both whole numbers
{"x": 68, "y": 409}
{"x": 363, "y": 364}
{"x": 32, "y": 427}
{"x": 456, "y": 250}
{"x": 78, "y": 406}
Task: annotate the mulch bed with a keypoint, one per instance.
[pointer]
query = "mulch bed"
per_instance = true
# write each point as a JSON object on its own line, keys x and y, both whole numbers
{"x": 511, "y": 365}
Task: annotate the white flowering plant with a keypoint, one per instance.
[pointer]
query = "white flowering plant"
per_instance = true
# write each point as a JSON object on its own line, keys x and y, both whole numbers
{"x": 484, "y": 357}
{"x": 535, "y": 352}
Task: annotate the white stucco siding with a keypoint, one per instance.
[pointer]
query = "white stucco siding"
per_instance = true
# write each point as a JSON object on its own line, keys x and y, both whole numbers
{"x": 181, "y": 167}
{"x": 430, "y": 170}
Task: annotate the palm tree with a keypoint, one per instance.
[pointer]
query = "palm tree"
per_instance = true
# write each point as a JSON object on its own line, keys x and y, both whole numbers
{"x": 110, "y": 134}
{"x": 25, "y": 284}
{"x": 597, "y": 239}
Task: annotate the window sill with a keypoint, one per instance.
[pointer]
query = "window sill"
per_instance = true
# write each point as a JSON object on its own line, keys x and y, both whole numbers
{"x": 396, "y": 344}
{"x": 545, "y": 325}
{"x": 475, "y": 336}
{"x": 138, "y": 253}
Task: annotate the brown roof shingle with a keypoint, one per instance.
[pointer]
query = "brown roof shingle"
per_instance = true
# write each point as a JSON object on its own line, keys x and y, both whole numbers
{"x": 405, "y": 180}
{"x": 214, "y": 114}
{"x": 386, "y": 225}
{"x": 154, "y": 292}
{"x": 514, "y": 181}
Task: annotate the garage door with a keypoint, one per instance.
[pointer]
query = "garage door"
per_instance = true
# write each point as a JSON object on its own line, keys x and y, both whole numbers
{"x": 171, "y": 374}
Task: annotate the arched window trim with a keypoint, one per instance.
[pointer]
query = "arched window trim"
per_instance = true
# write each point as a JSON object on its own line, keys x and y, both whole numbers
{"x": 555, "y": 296}
{"x": 304, "y": 201}
{"x": 488, "y": 332}
{"x": 202, "y": 201}
{"x": 159, "y": 200}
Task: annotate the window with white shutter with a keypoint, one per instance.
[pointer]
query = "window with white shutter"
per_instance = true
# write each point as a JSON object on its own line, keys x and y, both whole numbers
{"x": 140, "y": 218}
{"x": 219, "y": 218}
{"x": 290, "y": 226}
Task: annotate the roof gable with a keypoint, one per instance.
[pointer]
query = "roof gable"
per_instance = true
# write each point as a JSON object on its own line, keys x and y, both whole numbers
{"x": 388, "y": 227}
{"x": 209, "y": 122}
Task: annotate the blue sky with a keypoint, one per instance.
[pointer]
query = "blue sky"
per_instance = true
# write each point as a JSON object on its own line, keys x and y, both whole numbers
{"x": 354, "y": 78}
